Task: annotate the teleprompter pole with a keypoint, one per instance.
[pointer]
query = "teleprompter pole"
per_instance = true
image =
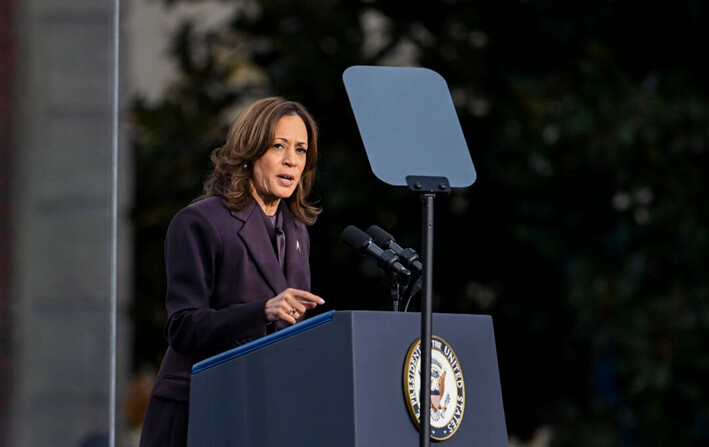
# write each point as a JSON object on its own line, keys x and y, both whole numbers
{"x": 427, "y": 188}
{"x": 426, "y": 321}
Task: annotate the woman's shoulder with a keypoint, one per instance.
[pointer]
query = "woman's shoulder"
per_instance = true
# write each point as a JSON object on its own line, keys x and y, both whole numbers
{"x": 207, "y": 205}
{"x": 206, "y": 210}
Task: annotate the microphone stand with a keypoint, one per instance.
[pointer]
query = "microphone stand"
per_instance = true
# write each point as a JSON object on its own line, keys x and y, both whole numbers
{"x": 394, "y": 294}
{"x": 396, "y": 281}
{"x": 427, "y": 188}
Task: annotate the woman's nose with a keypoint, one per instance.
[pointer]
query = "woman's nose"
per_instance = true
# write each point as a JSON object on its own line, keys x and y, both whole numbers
{"x": 290, "y": 158}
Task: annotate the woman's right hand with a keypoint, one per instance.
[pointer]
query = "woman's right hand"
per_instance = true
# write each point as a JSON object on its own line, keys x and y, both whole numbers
{"x": 290, "y": 304}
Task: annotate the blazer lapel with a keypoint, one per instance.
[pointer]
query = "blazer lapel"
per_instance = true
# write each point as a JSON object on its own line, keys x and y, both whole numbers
{"x": 297, "y": 266}
{"x": 257, "y": 242}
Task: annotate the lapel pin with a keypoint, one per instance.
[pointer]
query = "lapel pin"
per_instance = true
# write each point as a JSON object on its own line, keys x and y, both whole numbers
{"x": 297, "y": 245}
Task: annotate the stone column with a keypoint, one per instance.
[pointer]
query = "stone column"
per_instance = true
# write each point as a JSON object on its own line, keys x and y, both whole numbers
{"x": 64, "y": 301}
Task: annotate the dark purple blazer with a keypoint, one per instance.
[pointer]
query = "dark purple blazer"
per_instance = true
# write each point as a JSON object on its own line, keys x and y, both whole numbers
{"x": 221, "y": 270}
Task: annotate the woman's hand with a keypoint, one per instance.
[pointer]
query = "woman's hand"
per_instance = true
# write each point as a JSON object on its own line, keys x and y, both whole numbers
{"x": 290, "y": 304}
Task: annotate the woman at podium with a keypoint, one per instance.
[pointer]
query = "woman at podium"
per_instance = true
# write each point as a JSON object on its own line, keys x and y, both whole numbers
{"x": 237, "y": 258}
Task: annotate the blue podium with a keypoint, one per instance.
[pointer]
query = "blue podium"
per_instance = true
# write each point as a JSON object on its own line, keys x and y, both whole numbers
{"x": 339, "y": 379}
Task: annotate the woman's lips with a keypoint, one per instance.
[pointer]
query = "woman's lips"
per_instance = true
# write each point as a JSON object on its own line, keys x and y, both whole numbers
{"x": 285, "y": 179}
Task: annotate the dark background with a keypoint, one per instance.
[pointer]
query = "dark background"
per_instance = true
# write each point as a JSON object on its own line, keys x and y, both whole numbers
{"x": 585, "y": 235}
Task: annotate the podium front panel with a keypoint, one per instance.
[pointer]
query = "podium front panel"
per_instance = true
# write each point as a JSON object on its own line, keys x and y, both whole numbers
{"x": 342, "y": 384}
{"x": 297, "y": 391}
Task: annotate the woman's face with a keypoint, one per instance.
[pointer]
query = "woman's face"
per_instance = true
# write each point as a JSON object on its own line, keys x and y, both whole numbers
{"x": 277, "y": 173}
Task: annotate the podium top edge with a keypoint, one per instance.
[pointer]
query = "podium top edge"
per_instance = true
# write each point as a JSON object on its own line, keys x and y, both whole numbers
{"x": 311, "y": 323}
{"x": 261, "y": 342}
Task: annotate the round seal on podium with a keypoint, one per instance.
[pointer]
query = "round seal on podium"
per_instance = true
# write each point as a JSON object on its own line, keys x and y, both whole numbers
{"x": 447, "y": 388}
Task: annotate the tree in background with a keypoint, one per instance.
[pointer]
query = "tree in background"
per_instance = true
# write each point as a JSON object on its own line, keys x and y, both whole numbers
{"x": 585, "y": 236}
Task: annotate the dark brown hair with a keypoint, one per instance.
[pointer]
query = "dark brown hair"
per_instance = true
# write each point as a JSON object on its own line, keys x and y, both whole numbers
{"x": 249, "y": 137}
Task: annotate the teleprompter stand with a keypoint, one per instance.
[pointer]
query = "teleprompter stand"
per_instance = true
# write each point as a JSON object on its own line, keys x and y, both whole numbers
{"x": 412, "y": 136}
{"x": 427, "y": 188}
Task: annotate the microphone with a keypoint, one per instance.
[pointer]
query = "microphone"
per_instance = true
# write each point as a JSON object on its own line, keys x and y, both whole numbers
{"x": 363, "y": 244}
{"x": 408, "y": 256}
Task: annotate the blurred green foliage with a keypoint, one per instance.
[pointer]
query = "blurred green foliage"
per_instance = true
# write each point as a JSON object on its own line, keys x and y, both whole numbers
{"x": 585, "y": 236}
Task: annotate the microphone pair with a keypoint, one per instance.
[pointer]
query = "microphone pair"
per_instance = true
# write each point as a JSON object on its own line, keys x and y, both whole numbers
{"x": 382, "y": 246}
